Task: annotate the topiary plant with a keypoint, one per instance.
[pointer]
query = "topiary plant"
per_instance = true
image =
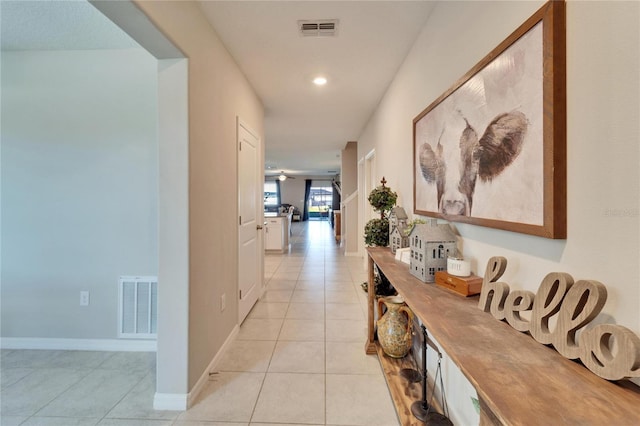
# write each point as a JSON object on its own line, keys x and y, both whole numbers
{"x": 376, "y": 231}
{"x": 382, "y": 199}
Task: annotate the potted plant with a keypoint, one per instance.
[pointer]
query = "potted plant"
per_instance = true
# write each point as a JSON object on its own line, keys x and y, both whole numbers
{"x": 376, "y": 231}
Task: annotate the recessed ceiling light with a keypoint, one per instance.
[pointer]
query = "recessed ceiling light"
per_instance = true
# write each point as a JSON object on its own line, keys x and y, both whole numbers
{"x": 320, "y": 81}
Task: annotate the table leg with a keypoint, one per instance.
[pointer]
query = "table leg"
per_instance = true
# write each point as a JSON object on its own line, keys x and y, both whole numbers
{"x": 370, "y": 346}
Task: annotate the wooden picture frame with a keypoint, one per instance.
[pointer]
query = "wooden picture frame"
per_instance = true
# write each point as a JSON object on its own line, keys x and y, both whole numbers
{"x": 491, "y": 150}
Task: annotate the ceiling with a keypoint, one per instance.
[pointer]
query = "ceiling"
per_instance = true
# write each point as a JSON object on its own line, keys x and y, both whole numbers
{"x": 306, "y": 126}
{"x": 58, "y": 25}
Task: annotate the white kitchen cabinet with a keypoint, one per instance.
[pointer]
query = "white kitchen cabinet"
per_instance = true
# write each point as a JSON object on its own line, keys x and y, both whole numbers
{"x": 274, "y": 233}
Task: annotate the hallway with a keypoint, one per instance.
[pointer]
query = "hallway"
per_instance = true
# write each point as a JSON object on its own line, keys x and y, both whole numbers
{"x": 299, "y": 356}
{"x": 297, "y": 359}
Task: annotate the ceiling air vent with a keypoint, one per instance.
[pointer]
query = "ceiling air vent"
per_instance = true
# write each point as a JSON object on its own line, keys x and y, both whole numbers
{"x": 318, "y": 28}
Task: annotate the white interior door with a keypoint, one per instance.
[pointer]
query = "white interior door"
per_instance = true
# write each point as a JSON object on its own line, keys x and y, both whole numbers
{"x": 250, "y": 220}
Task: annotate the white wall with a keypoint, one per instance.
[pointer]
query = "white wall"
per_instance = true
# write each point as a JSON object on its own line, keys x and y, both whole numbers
{"x": 603, "y": 184}
{"x": 292, "y": 192}
{"x": 218, "y": 94}
{"x": 172, "y": 361}
{"x": 79, "y": 187}
{"x": 351, "y": 234}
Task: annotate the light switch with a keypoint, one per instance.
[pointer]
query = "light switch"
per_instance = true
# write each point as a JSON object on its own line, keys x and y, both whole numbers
{"x": 84, "y": 298}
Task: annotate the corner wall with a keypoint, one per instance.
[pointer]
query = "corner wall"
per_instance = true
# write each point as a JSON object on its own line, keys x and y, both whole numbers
{"x": 349, "y": 182}
{"x": 603, "y": 183}
{"x": 218, "y": 94}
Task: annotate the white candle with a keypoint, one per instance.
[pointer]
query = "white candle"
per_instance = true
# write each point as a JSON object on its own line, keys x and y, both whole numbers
{"x": 458, "y": 267}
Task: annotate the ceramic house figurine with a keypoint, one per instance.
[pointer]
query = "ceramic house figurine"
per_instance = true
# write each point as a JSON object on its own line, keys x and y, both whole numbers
{"x": 398, "y": 228}
{"x": 431, "y": 244}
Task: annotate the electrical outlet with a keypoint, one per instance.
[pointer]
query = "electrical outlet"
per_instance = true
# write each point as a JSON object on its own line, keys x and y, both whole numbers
{"x": 84, "y": 298}
{"x": 223, "y": 302}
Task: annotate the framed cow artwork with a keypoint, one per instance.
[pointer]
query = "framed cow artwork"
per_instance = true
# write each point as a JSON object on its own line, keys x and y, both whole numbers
{"x": 491, "y": 150}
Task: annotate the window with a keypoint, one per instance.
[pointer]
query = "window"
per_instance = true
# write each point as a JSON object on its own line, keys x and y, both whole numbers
{"x": 271, "y": 194}
{"x": 320, "y": 199}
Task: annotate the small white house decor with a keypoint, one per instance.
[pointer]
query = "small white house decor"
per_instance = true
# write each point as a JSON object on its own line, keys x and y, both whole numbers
{"x": 398, "y": 229}
{"x": 431, "y": 244}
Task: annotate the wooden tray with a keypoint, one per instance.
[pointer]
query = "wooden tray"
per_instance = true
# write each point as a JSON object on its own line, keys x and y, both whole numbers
{"x": 466, "y": 286}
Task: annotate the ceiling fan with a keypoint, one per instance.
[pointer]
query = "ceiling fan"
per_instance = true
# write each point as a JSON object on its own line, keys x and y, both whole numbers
{"x": 282, "y": 177}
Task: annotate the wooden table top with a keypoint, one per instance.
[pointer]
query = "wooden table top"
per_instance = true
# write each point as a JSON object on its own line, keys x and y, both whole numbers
{"x": 519, "y": 380}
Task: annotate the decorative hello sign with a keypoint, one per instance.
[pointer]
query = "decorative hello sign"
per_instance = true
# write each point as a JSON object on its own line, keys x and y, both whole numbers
{"x": 576, "y": 305}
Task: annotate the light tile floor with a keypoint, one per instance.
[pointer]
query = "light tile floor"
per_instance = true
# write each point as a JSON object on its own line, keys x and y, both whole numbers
{"x": 298, "y": 359}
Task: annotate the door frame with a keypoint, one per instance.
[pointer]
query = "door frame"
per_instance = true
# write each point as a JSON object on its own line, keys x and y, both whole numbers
{"x": 366, "y": 173}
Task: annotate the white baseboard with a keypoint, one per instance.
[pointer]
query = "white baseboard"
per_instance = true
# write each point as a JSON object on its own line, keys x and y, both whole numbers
{"x": 170, "y": 401}
{"x": 182, "y": 402}
{"x": 204, "y": 378}
{"x": 118, "y": 345}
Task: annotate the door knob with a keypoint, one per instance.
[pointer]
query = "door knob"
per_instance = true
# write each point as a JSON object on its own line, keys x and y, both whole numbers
{"x": 259, "y": 227}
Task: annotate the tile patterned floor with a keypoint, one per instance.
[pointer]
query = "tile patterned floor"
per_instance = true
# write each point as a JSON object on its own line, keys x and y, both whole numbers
{"x": 298, "y": 359}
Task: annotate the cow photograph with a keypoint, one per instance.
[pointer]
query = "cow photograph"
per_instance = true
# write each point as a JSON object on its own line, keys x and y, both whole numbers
{"x": 478, "y": 149}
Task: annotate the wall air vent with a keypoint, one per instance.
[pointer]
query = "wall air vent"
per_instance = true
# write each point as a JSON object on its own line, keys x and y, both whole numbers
{"x": 138, "y": 306}
{"x": 318, "y": 28}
